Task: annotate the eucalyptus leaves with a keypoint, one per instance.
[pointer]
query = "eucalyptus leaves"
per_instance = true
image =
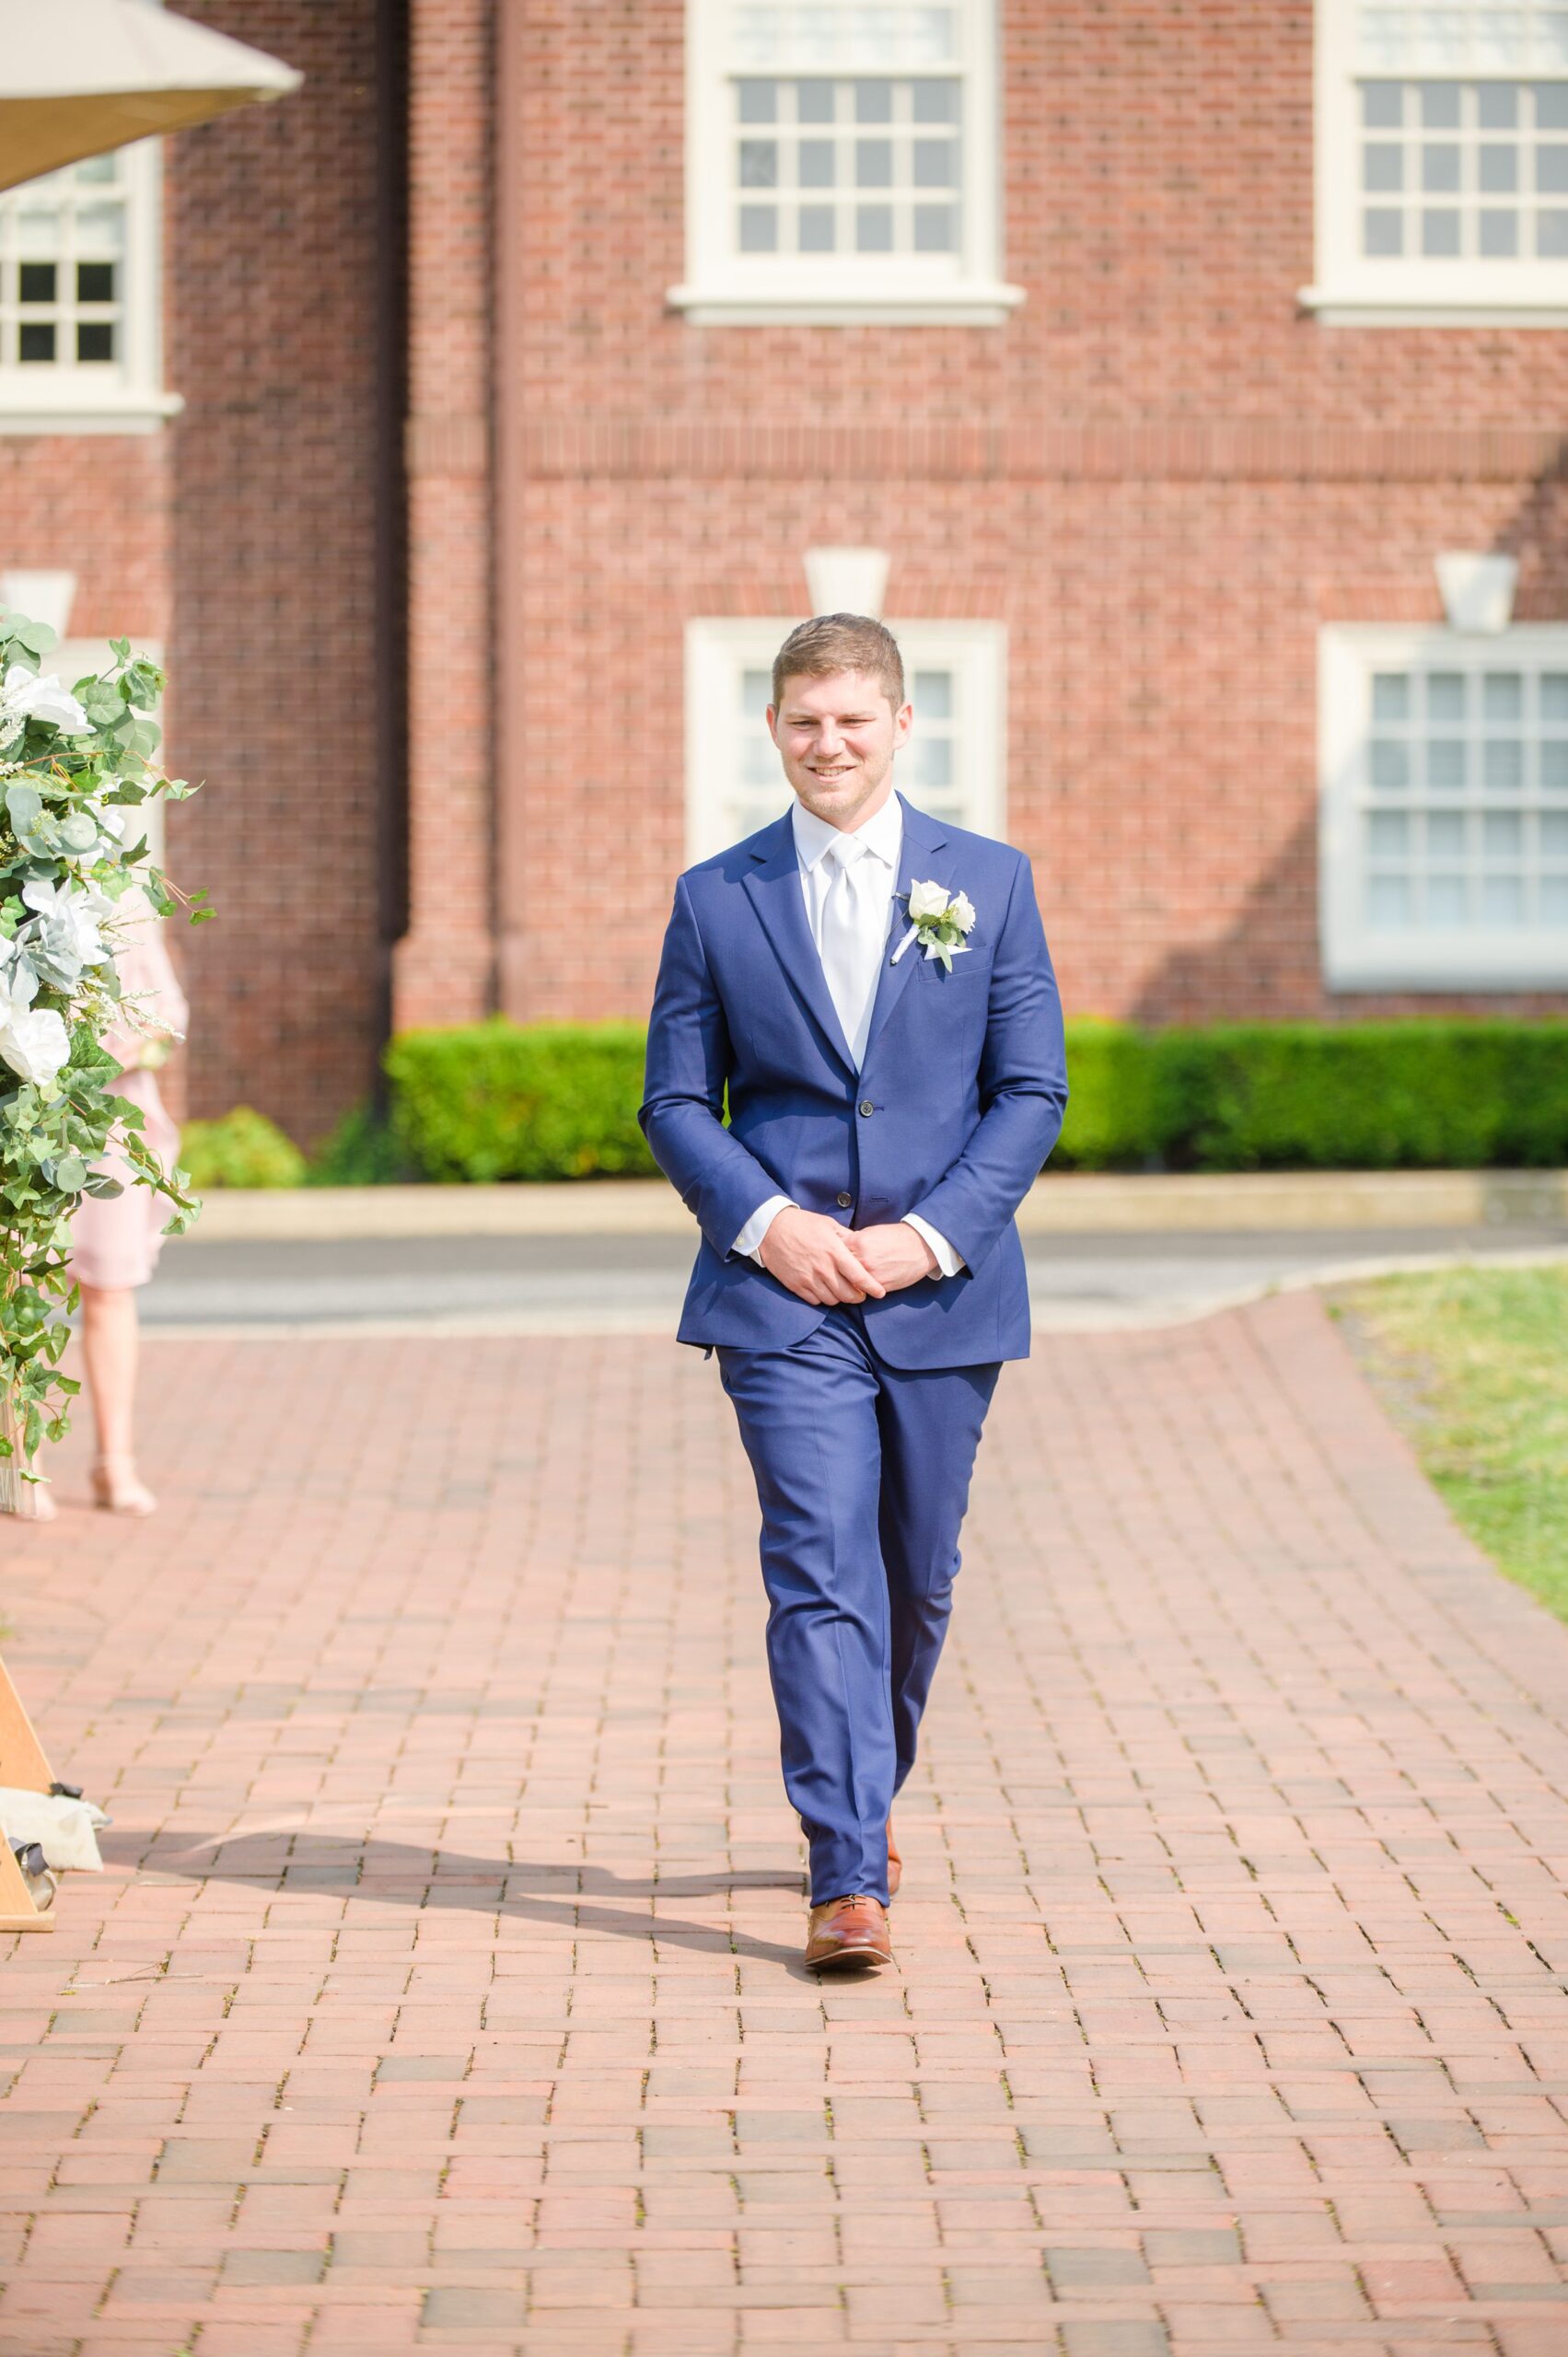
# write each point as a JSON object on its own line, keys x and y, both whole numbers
{"x": 74, "y": 763}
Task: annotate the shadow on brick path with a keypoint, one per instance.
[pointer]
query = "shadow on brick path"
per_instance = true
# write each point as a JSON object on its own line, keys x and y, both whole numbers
{"x": 1232, "y": 2007}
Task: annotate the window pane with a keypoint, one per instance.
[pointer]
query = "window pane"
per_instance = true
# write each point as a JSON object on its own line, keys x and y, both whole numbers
{"x": 931, "y": 693}
{"x": 1389, "y": 901}
{"x": 759, "y": 101}
{"x": 1445, "y": 695}
{"x": 1503, "y": 834}
{"x": 1440, "y": 234}
{"x": 1552, "y": 106}
{"x": 935, "y": 163}
{"x": 1382, "y": 232}
{"x": 874, "y": 102}
{"x": 1503, "y": 765}
{"x": 935, "y": 101}
{"x": 1499, "y": 173}
{"x": 1497, "y": 106}
{"x": 874, "y": 228}
{"x": 1390, "y": 695}
{"x": 1446, "y": 765}
{"x": 873, "y": 163}
{"x": 816, "y": 159}
{"x": 818, "y": 229}
{"x": 1551, "y": 233}
{"x": 756, "y": 693}
{"x": 95, "y": 282}
{"x": 936, "y": 229}
{"x": 1446, "y": 835}
{"x": 1554, "y": 834}
{"x": 1440, "y": 170}
{"x": 1503, "y": 695}
{"x": 1387, "y": 832}
{"x": 1440, "y": 106}
{"x": 1382, "y": 169}
{"x": 95, "y": 340}
{"x": 1499, "y": 235}
{"x": 1554, "y": 769}
{"x": 1446, "y": 901}
{"x": 1554, "y": 695}
{"x": 1502, "y": 899}
{"x": 1552, "y": 170}
{"x": 1390, "y": 766}
{"x": 759, "y": 229}
{"x": 758, "y": 163}
{"x": 814, "y": 102}
{"x": 36, "y": 282}
{"x": 1554, "y": 900}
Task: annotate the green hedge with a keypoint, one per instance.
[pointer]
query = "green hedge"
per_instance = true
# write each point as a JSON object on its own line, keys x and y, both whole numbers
{"x": 500, "y": 1100}
{"x": 1416, "y": 1094}
{"x": 496, "y": 1101}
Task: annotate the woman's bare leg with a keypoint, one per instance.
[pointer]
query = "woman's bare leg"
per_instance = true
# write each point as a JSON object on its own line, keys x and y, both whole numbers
{"x": 109, "y": 1341}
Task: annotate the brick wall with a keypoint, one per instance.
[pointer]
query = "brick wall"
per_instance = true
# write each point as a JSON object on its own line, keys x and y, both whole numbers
{"x": 1159, "y": 474}
{"x": 271, "y": 247}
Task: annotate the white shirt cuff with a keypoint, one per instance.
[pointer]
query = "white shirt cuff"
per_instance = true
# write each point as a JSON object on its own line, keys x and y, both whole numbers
{"x": 750, "y": 1237}
{"x": 948, "y": 1261}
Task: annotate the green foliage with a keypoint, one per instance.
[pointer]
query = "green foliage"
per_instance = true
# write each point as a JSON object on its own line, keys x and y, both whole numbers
{"x": 500, "y": 1100}
{"x": 241, "y": 1148}
{"x": 1411, "y": 1095}
{"x": 1470, "y": 1364}
{"x": 360, "y": 1152}
{"x": 74, "y": 767}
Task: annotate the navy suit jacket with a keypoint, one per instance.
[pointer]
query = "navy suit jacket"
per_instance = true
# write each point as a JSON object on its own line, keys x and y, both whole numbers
{"x": 958, "y": 1104}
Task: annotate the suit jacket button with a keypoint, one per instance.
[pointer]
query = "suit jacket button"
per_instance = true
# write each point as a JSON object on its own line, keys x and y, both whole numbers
{"x": 866, "y": 1107}
{"x": 843, "y": 1202}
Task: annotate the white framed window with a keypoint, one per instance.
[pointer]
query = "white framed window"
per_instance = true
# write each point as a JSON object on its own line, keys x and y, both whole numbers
{"x": 1441, "y": 159}
{"x": 842, "y": 163}
{"x": 953, "y": 765}
{"x": 1444, "y": 840}
{"x": 80, "y": 339}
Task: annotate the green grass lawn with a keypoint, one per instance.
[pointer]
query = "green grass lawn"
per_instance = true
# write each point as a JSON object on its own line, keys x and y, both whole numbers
{"x": 1472, "y": 1365}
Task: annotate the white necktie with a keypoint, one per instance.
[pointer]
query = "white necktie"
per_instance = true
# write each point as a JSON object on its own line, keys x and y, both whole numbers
{"x": 852, "y": 945}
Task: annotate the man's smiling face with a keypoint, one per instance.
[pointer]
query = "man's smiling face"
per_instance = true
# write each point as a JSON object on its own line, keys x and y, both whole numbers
{"x": 837, "y": 737}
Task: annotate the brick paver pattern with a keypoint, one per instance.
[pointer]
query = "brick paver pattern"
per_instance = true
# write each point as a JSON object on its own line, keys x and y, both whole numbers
{"x": 441, "y": 1991}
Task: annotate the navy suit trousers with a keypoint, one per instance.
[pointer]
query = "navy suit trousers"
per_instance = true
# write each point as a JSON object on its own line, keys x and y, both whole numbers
{"x": 862, "y": 1476}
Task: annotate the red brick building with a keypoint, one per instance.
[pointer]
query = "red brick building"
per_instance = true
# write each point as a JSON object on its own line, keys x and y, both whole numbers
{"x": 543, "y": 359}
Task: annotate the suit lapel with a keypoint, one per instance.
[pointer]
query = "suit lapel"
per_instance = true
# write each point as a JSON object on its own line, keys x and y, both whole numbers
{"x": 923, "y": 838}
{"x": 774, "y": 884}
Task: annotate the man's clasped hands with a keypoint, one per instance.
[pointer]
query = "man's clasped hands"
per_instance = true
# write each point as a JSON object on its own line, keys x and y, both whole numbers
{"x": 824, "y": 1263}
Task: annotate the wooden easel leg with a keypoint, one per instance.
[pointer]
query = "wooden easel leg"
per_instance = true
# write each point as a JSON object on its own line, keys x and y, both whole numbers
{"x": 23, "y": 1763}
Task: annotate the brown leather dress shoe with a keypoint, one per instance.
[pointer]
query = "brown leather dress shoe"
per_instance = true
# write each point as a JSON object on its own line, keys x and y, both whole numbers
{"x": 845, "y": 1931}
{"x": 895, "y": 1864}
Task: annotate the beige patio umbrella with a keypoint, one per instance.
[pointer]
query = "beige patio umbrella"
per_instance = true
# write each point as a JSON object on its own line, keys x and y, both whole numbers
{"x": 80, "y": 76}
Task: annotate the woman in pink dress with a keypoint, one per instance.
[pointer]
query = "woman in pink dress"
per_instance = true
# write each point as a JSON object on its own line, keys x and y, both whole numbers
{"x": 115, "y": 1241}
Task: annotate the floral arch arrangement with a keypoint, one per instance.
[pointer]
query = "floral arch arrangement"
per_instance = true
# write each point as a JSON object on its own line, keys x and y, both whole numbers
{"x": 76, "y": 765}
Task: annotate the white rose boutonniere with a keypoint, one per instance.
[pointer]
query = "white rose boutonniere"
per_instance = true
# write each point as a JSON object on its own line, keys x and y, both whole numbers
{"x": 940, "y": 919}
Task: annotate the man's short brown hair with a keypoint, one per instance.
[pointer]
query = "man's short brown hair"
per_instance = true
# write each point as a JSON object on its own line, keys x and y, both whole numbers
{"x": 830, "y": 642}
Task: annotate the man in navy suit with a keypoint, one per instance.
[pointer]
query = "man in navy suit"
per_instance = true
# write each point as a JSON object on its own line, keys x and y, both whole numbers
{"x": 873, "y": 992}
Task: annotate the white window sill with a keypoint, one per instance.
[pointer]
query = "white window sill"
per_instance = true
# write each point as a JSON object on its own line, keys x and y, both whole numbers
{"x": 56, "y": 409}
{"x": 1336, "y": 307}
{"x": 976, "y": 303}
{"x": 1454, "y": 968}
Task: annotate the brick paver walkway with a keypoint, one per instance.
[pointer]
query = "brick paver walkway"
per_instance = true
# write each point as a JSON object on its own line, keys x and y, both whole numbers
{"x": 441, "y": 1991}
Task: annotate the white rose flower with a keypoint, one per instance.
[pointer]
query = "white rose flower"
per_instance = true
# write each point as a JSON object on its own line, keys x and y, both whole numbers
{"x": 928, "y": 901}
{"x": 34, "y": 1042}
{"x": 69, "y": 918}
{"x": 25, "y": 696}
{"x": 962, "y": 912}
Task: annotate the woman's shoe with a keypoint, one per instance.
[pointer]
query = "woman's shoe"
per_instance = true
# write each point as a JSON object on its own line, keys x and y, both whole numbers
{"x": 117, "y": 1490}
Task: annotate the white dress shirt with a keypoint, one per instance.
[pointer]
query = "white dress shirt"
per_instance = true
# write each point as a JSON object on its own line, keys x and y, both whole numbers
{"x": 852, "y": 979}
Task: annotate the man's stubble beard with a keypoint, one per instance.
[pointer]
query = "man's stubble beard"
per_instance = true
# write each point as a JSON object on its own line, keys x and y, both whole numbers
{"x": 840, "y": 815}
